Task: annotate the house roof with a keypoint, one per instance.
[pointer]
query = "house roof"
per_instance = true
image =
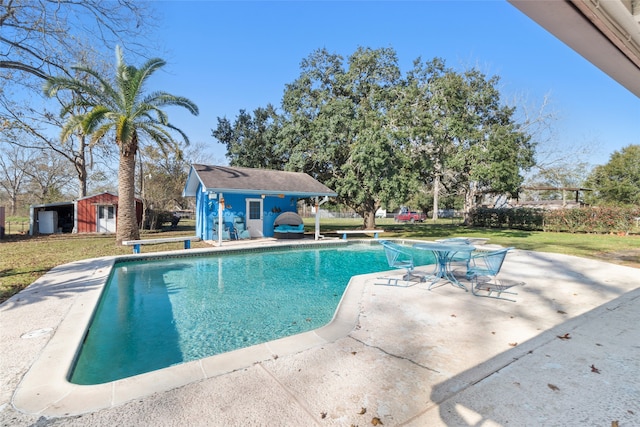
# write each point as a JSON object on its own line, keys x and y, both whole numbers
{"x": 51, "y": 205}
{"x": 226, "y": 179}
{"x": 99, "y": 194}
{"x": 137, "y": 199}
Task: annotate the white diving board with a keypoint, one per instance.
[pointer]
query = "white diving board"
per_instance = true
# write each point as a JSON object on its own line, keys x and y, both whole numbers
{"x": 347, "y": 232}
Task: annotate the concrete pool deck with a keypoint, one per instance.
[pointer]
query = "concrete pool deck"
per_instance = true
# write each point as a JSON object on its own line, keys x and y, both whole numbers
{"x": 566, "y": 353}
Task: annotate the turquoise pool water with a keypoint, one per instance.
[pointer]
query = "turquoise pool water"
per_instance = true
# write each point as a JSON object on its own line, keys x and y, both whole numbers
{"x": 158, "y": 313}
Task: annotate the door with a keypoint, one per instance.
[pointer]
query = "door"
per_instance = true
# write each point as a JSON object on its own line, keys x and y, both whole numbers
{"x": 254, "y": 217}
{"x": 106, "y": 219}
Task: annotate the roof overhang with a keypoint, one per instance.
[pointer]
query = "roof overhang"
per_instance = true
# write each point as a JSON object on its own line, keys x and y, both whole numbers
{"x": 52, "y": 205}
{"x": 606, "y": 33}
{"x": 551, "y": 188}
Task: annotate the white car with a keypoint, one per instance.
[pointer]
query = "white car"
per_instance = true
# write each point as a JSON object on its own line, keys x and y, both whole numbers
{"x": 381, "y": 213}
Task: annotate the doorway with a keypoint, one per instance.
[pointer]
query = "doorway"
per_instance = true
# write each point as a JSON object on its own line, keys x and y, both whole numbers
{"x": 254, "y": 217}
{"x": 106, "y": 219}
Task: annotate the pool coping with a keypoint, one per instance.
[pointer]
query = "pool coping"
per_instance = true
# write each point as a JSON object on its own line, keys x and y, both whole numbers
{"x": 45, "y": 389}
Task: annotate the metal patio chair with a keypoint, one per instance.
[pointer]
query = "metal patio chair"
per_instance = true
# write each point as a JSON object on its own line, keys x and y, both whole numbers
{"x": 482, "y": 269}
{"x": 399, "y": 259}
{"x": 241, "y": 231}
{"x": 225, "y": 231}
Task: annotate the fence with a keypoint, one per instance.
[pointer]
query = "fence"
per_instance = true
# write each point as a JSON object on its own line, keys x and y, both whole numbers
{"x": 16, "y": 227}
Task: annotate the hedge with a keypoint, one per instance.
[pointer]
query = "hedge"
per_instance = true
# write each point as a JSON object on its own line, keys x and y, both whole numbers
{"x": 599, "y": 219}
{"x": 514, "y": 218}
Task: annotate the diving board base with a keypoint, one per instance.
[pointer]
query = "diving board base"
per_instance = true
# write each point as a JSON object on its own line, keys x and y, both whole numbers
{"x": 138, "y": 243}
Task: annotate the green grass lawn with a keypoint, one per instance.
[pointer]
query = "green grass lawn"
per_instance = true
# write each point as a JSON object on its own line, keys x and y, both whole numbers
{"x": 25, "y": 258}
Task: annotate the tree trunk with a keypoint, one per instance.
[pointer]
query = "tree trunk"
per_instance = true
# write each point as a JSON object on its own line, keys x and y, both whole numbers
{"x": 82, "y": 180}
{"x": 436, "y": 195}
{"x": 14, "y": 204}
{"x": 145, "y": 211}
{"x": 127, "y": 224}
{"x": 369, "y": 220}
{"x": 80, "y": 164}
{"x": 469, "y": 202}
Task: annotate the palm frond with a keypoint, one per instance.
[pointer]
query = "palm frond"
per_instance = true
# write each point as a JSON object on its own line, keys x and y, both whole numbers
{"x": 67, "y": 109}
{"x": 71, "y": 126}
{"x": 150, "y": 112}
{"x": 104, "y": 92}
{"x": 178, "y": 130}
{"x": 53, "y": 85}
{"x": 94, "y": 118}
{"x": 125, "y": 130}
{"x": 148, "y": 68}
{"x": 100, "y": 132}
{"x": 163, "y": 139}
{"x": 164, "y": 99}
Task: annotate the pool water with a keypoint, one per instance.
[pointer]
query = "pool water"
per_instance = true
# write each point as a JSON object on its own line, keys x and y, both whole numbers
{"x": 158, "y": 313}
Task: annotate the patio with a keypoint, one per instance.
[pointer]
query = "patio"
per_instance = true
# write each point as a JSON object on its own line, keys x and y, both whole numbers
{"x": 564, "y": 354}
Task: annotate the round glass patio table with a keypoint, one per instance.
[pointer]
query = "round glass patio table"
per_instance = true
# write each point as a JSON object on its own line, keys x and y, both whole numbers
{"x": 444, "y": 253}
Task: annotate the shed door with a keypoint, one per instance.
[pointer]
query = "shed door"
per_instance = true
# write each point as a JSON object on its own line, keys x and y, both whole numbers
{"x": 106, "y": 219}
{"x": 254, "y": 217}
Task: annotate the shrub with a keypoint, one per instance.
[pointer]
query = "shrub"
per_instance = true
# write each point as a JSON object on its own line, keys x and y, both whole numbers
{"x": 156, "y": 218}
{"x": 516, "y": 218}
{"x": 597, "y": 219}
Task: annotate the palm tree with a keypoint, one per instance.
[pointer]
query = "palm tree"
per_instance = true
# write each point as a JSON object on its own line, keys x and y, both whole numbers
{"x": 124, "y": 109}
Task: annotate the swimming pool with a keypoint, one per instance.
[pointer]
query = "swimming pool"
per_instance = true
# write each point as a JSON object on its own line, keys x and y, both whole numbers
{"x": 158, "y": 313}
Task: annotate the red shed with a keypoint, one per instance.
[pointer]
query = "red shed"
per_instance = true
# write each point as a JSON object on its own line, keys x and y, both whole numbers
{"x": 91, "y": 214}
{"x": 98, "y": 213}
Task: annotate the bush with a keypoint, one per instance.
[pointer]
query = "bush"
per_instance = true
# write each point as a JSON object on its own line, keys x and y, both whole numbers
{"x": 516, "y": 218}
{"x": 598, "y": 219}
{"x": 156, "y": 218}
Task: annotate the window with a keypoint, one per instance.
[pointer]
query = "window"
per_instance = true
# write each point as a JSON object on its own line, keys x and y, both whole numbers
{"x": 255, "y": 210}
{"x": 106, "y": 212}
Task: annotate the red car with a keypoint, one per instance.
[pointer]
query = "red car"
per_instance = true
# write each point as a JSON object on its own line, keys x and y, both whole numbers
{"x": 406, "y": 215}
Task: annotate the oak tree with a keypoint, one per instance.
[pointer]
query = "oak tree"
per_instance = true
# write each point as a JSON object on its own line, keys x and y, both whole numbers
{"x": 618, "y": 181}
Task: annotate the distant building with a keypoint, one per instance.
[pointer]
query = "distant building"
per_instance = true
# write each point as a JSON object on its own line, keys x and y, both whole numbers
{"x": 562, "y": 203}
{"x": 91, "y": 214}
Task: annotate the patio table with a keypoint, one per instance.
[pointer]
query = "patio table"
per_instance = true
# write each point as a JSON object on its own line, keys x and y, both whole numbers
{"x": 444, "y": 254}
{"x": 465, "y": 240}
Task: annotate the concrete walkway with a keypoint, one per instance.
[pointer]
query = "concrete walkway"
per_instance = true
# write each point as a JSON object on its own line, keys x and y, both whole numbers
{"x": 567, "y": 353}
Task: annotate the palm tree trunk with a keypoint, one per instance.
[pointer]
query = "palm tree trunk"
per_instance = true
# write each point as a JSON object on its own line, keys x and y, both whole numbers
{"x": 127, "y": 224}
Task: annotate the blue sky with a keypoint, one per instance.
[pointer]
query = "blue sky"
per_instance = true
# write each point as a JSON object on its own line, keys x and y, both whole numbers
{"x": 227, "y": 56}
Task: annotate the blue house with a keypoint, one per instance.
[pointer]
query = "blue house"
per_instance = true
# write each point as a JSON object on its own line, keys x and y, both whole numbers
{"x": 245, "y": 202}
